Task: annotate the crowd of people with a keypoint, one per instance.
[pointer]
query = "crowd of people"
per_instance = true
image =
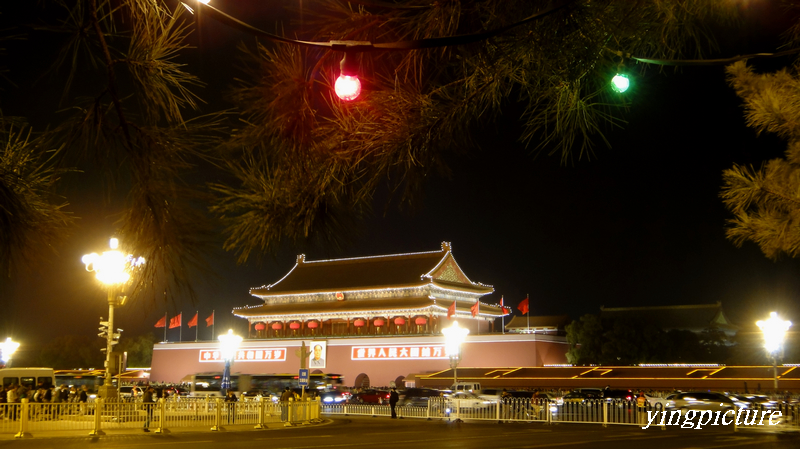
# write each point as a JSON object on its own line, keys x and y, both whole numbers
{"x": 14, "y": 394}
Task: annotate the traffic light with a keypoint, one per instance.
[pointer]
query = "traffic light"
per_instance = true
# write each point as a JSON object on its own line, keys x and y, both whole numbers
{"x": 103, "y": 329}
{"x": 115, "y": 337}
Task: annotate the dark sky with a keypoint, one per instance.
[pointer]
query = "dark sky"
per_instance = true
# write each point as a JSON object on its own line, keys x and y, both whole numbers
{"x": 638, "y": 224}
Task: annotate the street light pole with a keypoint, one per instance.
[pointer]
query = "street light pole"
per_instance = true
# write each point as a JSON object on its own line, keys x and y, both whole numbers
{"x": 228, "y": 345}
{"x": 454, "y": 336}
{"x": 112, "y": 268}
{"x": 774, "y": 330}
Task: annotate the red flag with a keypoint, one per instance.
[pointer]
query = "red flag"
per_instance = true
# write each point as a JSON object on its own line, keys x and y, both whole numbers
{"x": 193, "y": 321}
{"x": 476, "y": 308}
{"x": 502, "y": 308}
{"x": 523, "y": 306}
{"x": 210, "y": 320}
{"x": 162, "y": 322}
{"x": 175, "y": 321}
{"x": 451, "y": 310}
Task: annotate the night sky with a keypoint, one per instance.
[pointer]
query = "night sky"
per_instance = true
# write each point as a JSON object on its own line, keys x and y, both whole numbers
{"x": 636, "y": 225}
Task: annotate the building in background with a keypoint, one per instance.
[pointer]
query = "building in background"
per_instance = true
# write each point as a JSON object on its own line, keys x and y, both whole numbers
{"x": 372, "y": 319}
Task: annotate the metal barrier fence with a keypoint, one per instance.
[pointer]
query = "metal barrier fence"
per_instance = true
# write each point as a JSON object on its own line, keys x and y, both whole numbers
{"x": 26, "y": 418}
{"x": 604, "y": 412}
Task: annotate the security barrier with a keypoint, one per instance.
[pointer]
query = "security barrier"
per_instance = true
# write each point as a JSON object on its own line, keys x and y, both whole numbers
{"x": 25, "y": 419}
{"x": 603, "y": 412}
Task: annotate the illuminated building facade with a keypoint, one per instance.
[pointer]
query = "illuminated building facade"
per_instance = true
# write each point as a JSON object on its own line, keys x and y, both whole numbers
{"x": 372, "y": 319}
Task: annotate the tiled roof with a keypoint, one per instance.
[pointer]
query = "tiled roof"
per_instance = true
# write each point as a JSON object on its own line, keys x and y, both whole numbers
{"x": 547, "y": 321}
{"x": 364, "y": 273}
{"x": 373, "y": 307}
{"x": 688, "y": 317}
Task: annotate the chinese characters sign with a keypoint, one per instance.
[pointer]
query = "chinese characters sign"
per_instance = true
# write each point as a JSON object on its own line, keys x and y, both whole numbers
{"x": 410, "y": 352}
{"x": 246, "y": 355}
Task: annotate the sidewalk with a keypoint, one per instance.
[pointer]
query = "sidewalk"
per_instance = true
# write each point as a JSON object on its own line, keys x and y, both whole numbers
{"x": 153, "y": 430}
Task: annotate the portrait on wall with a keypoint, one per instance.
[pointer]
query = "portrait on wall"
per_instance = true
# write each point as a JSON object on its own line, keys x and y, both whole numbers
{"x": 318, "y": 354}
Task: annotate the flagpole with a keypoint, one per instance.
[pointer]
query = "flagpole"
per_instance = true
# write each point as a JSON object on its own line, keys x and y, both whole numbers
{"x": 180, "y": 332}
{"x": 503, "y": 318}
{"x": 196, "y": 327}
{"x": 165, "y": 326}
{"x": 213, "y": 324}
{"x": 528, "y": 310}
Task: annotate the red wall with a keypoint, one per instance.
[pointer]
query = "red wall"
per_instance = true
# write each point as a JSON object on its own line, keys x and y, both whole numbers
{"x": 173, "y": 361}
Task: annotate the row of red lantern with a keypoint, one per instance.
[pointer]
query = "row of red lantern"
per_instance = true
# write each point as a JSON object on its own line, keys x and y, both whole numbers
{"x": 293, "y": 325}
{"x": 379, "y": 322}
{"x": 397, "y": 321}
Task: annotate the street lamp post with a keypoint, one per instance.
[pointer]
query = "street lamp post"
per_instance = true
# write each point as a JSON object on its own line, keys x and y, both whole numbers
{"x": 454, "y": 336}
{"x": 7, "y": 349}
{"x": 112, "y": 268}
{"x": 228, "y": 344}
{"x": 774, "y": 330}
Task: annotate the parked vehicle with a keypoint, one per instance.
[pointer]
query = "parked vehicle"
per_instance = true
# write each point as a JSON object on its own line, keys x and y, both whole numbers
{"x": 335, "y": 396}
{"x": 130, "y": 392}
{"x": 465, "y": 400}
{"x": 618, "y": 395}
{"x": 583, "y": 395}
{"x": 578, "y": 396}
{"x": 700, "y": 400}
{"x": 653, "y": 400}
{"x": 472, "y": 387}
{"x": 418, "y": 397}
{"x": 371, "y": 397}
{"x": 751, "y": 401}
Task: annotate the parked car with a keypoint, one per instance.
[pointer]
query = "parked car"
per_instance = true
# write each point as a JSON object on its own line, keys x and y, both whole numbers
{"x": 465, "y": 400}
{"x": 753, "y": 401}
{"x": 371, "y": 397}
{"x": 700, "y": 400}
{"x": 618, "y": 395}
{"x": 130, "y": 392}
{"x": 583, "y": 395}
{"x": 653, "y": 400}
{"x": 333, "y": 396}
{"x": 418, "y": 397}
{"x": 578, "y": 396}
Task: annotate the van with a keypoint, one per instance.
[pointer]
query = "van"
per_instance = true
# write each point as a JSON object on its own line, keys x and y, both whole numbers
{"x": 28, "y": 377}
{"x": 472, "y": 387}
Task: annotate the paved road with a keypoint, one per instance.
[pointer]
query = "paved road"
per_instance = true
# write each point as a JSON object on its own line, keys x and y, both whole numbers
{"x": 366, "y": 432}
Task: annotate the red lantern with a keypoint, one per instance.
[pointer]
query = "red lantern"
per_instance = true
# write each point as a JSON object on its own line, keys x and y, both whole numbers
{"x": 359, "y": 323}
{"x": 312, "y": 325}
{"x": 294, "y": 325}
{"x": 277, "y": 326}
{"x": 259, "y": 326}
{"x": 420, "y": 321}
{"x": 380, "y": 322}
{"x": 399, "y": 321}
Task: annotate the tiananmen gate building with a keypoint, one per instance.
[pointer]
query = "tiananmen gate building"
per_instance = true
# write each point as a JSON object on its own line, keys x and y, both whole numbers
{"x": 372, "y": 319}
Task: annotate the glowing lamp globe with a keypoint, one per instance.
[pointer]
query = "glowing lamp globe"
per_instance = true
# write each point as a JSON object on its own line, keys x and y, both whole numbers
{"x": 347, "y": 87}
{"x": 620, "y": 82}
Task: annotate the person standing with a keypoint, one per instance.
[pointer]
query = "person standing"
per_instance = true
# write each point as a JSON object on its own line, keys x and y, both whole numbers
{"x": 148, "y": 403}
{"x": 83, "y": 399}
{"x": 393, "y": 398}
{"x": 230, "y": 402}
{"x": 285, "y": 396}
{"x": 11, "y": 400}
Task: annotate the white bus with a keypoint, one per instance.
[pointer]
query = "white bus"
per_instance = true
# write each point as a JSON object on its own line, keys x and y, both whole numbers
{"x": 29, "y": 377}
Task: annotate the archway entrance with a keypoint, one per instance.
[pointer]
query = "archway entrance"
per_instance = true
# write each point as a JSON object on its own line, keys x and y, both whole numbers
{"x": 362, "y": 381}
